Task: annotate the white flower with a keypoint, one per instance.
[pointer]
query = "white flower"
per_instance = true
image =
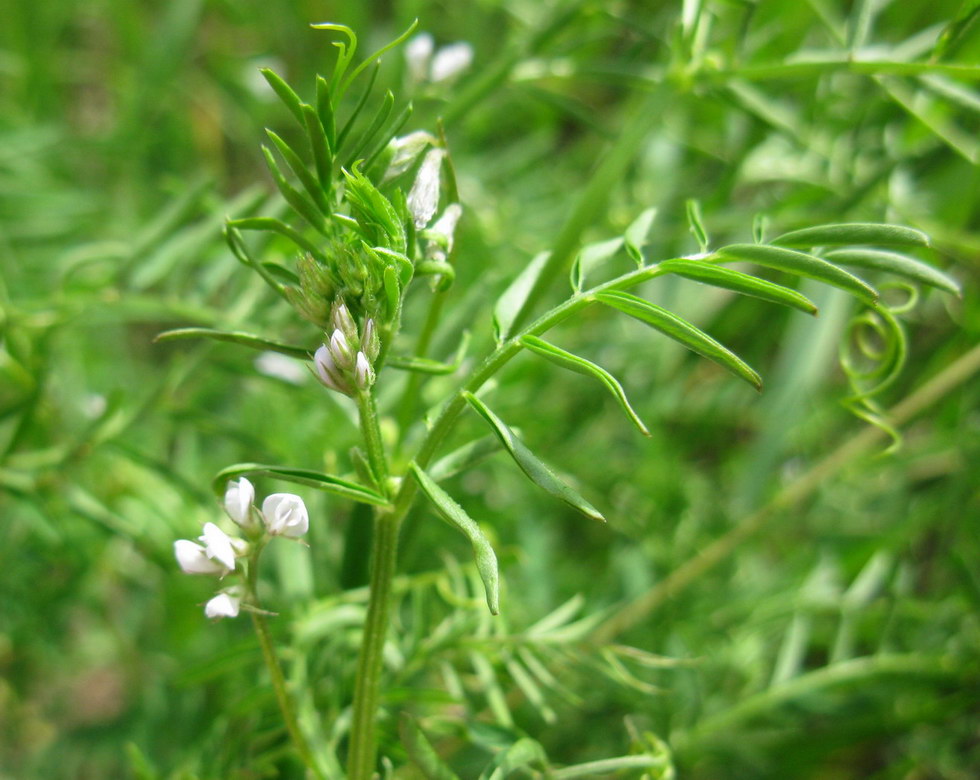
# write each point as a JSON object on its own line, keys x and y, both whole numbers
{"x": 451, "y": 60}
{"x": 363, "y": 373}
{"x": 224, "y": 605}
{"x": 418, "y": 51}
{"x": 328, "y": 372}
{"x": 218, "y": 546}
{"x": 423, "y": 198}
{"x": 239, "y": 497}
{"x": 285, "y": 515}
{"x": 193, "y": 559}
{"x": 340, "y": 350}
{"x": 278, "y": 366}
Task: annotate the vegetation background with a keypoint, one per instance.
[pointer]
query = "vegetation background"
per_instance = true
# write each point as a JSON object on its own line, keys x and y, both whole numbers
{"x": 835, "y": 631}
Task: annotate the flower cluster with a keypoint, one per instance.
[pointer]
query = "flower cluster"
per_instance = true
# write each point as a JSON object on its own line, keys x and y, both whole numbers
{"x": 345, "y": 362}
{"x": 282, "y": 514}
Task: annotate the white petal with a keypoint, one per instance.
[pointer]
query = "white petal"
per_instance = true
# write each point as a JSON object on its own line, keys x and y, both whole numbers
{"x": 239, "y": 497}
{"x": 423, "y": 198}
{"x": 221, "y": 606}
{"x": 417, "y": 53}
{"x": 218, "y": 545}
{"x": 285, "y": 515}
{"x": 451, "y": 60}
{"x": 193, "y": 559}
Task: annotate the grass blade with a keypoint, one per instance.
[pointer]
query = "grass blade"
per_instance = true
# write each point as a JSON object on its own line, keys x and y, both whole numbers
{"x": 681, "y": 331}
{"x": 538, "y": 472}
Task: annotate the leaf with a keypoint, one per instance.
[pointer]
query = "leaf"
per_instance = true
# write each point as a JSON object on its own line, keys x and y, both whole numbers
{"x": 285, "y": 93}
{"x": 895, "y": 263}
{"x": 746, "y": 284}
{"x": 236, "y": 337}
{"x": 637, "y": 232}
{"x": 299, "y": 168}
{"x": 278, "y": 226}
{"x": 324, "y": 110}
{"x": 387, "y": 104}
{"x": 455, "y": 515}
{"x": 420, "y": 751}
{"x": 582, "y": 366}
{"x": 510, "y": 303}
{"x": 315, "y": 479}
{"x": 522, "y": 753}
{"x": 697, "y": 224}
{"x": 801, "y": 264}
{"x": 590, "y": 258}
{"x": 539, "y": 473}
{"x": 301, "y": 204}
{"x": 853, "y": 233}
{"x": 681, "y": 331}
{"x": 463, "y": 458}
{"x": 319, "y": 145}
{"x": 428, "y": 366}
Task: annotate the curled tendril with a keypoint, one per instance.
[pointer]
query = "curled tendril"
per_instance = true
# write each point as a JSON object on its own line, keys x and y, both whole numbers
{"x": 872, "y": 355}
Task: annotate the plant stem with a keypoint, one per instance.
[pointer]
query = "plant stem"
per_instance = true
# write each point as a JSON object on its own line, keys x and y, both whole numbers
{"x": 275, "y": 669}
{"x": 384, "y": 553}
{"x": 368, "y": 413}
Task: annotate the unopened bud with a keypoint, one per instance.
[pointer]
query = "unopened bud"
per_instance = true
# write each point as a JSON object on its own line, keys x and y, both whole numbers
{"x": 363, "y": 373}
{"x": 340, "y": 351}
{"x": 370, "y": 340}
{"x": 315, "y": 277}
{"x": 451, "y": 60}
{"x": 341, "y": 319}
{"x": 328, "y": 373}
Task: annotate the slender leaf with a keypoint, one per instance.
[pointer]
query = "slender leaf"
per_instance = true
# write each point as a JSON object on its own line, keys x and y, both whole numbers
{"x": 278, "y": 226}
{"x": 681, "y": 331}
{"x": 319, "y": 145}
{"x": 696, "y": 224}
{"x": 853, "y": 233}
{"x": 801, "y": 264}
{"x": 387, "y": 104}
{"x": 539, "y": 473}
{"x": 455, "y": 515}
{"x": 510, "y": 303}
{"x": 420, "y": 751}
{"x": 299, "y": 168}
{"x": 522, "y": 753}
{"x": 357, "y": 109}
{"x": 637, "y": 232}
{"x": 236, "y": 337}
{"x": 324, "y": 110}
{"x": 315, "y": 479}
{"x": 465, "y": 457}
{"x": 286, "y": 94}
{"x": 746, "y": 284}
{"x": 301, "y": 204}
{"x": 590, "y": 258}
{"x": 580, "y": 365}
{"x": 420, "y": 365}
{"x": 895, "y": 263}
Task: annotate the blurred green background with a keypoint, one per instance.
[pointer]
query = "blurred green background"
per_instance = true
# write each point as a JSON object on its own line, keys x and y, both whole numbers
{"x": 840, "y": 639}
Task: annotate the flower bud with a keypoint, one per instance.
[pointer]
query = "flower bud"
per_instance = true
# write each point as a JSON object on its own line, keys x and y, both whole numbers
{"x": 192, "y": 559}
{"x": 340, "y": 351}
{"x": 239, "y": 497}
{"x": 285, "y": 515}
{"x": 451, "y": 60}
{"x": 224, "y": 605}
{"x": 328, "y": 373}
{"x": 370, "y": 340}
{"x": 341, "y": 320}
{"x": 363, "y": 372}
{"x": 423, "y": 198}
{"x": 418, "y": 51}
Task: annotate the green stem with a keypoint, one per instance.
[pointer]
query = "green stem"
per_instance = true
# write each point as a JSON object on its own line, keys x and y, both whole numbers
{"x": 275, "y": 669}
{"x": 362, "y": 754}
{"x": 368, "y": 414}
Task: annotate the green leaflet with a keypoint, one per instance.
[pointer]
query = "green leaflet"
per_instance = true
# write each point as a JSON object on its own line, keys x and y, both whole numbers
{"x": 236, "y": 337}
{"x": 319, "y": 145}
{"x": 590, "y": 258}
{"x": 300, "y": 203}
{"x": 453, "y": 513}
{"x": 387, "y": 104}
{"x": 895, "y": 263}
{"x": 278, "y": 226}
{"x": 285, "y": 93}
{"x": 324, "y": 110}
{"x": 582, "y": 366}
{"x": 423, "y": 365}
{"x": 682, "y": 331}
{"x": 801, "y": 264}
{"x": 299, "y": 168}
{"x": 536, "y": 471}
{"x": 636, "y": 234}
{"x": 315, "y": 479}
{"x": 740, "y": 282}
{"x": 696, "y": 223}
{"x": 509, "y": 304}
{"x": 464, "y": 457}
{"x": 853, "y": 233}
{"x": 521, "y": 754}
{"x": 420, "y": 751}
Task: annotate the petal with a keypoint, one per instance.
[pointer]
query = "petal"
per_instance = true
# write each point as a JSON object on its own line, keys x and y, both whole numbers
{"x": 221, "y": 606}
{"x": 218, "y": 545}
{"x": 285, "y": 514}
{"x": 238, "y": 502}
{"x": 193, "y": 559}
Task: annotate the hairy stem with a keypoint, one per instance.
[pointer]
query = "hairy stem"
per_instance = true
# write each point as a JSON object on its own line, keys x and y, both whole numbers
{"x": 372, "y": 438}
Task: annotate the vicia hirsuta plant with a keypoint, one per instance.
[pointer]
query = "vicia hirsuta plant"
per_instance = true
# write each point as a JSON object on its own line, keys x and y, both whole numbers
{"x": 366, "y": 228}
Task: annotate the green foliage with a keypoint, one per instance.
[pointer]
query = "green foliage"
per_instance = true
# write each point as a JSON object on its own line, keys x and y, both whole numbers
{"x": 771, "y": 596}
